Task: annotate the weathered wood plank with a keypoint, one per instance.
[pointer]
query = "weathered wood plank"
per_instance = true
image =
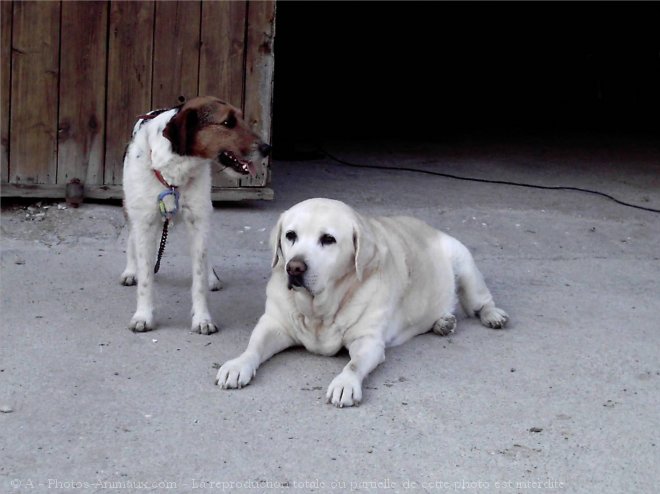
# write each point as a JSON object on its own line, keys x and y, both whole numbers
{"x": 221, "y": 56}
{"x": 5, "y": 79}
{"x": 56, "y": 191}
{"x": 34, "y": 79}
{"x": 176, "y": 52}
{"x": 115, "y": 192}
{"x": 259, "y": 67}
{"x": 221, "y": 59}
{"x": 82, "y": 92}
{"x": 242, "y": 194}
{"x": 130, "y": 51}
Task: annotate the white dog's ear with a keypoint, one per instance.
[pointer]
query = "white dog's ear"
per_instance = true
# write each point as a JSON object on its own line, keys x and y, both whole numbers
{"x": 365, "y": 246}
{"x": 275, "y": 244}
{"x": 180, "y": 131}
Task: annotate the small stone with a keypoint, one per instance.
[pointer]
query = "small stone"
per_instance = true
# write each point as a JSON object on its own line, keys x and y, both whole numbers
{"x": 6, "y": 409}
{"x": 536, "y": 429}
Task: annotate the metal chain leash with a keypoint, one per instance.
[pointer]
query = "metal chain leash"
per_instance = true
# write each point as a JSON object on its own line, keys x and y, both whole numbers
{"x": 161, "y": 249}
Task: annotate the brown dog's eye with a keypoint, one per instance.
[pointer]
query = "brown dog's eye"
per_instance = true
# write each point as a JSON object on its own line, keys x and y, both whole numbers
{"x": 230, "y": 123}
{"x": 291, "y": 236}
{"x": 327, "y": 239}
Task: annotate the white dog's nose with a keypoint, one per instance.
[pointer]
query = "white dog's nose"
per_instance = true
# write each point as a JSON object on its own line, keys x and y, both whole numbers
{"x": 296, "y": 267}
{"x": 265, "y": 149}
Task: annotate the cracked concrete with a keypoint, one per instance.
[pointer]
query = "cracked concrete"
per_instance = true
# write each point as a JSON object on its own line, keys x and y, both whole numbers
{"x": 566, "y": 399}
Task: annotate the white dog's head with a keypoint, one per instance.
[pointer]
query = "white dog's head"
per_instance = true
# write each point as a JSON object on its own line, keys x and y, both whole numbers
{"x": 319, "y": 242}
{"x": 207, "y": 127}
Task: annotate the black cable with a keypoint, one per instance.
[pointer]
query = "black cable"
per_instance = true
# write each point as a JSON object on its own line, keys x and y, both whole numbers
{"x": 487, "y": 181}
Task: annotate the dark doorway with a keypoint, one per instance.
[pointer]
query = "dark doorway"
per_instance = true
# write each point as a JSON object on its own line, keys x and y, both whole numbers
{"x": 430, "y": 69}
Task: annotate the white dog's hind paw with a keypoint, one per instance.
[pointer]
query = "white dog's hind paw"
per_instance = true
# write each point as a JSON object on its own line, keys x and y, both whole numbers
{"x": 235, "y": 374}
{"x": 345, "y": 390}
{"x": 141, "y": 323}
{"x": 204, "y": 326}
{"x": 445, "y": 325}
{"x": 128, "y": 278}
{"x": 493, "y": 318}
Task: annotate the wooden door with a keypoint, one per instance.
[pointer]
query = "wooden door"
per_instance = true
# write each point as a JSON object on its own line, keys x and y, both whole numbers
{"x": 75, "y": 75}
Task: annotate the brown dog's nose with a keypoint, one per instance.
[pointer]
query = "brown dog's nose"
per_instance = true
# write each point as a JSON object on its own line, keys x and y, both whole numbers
{"x": 264, "y": 149}
{"x": 296, "y": 267}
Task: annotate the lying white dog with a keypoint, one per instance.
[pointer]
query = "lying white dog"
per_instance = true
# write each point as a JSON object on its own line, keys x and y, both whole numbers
{"x": 343, "y": 280}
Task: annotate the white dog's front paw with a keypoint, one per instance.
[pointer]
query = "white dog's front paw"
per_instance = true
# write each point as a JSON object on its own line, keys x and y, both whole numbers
{"x": 345, "y": 390}
{"x": 141, "y": 322}
{"x": 128, "y": 278}
{"x": 203, "y": 324}
{"x": 493, "y": 317}
{"x": 236, "y": 373}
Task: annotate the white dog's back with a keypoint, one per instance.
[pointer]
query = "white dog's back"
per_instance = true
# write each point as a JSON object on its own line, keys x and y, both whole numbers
{"x": 421, "y": 258}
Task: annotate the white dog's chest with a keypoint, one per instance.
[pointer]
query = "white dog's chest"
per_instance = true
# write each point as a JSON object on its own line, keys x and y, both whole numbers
{"x": 316, "y": 336}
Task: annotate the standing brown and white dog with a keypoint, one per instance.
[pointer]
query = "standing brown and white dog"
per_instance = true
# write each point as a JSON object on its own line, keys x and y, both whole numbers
{"x": 167, "y": 172}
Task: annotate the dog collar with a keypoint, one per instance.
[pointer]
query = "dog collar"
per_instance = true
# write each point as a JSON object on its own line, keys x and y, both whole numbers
{"x": 152, "y": 114}
{"x": 160, "y": 178}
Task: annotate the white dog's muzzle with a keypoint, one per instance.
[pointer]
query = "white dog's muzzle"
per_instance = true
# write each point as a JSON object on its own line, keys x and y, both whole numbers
{"x": 296, "y": 269}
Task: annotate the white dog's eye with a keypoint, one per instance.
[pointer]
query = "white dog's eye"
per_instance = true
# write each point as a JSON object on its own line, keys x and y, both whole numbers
{"x": 230, "y": 123}
{"x": 327, "y": 239}
{"x": 291, "y": 236}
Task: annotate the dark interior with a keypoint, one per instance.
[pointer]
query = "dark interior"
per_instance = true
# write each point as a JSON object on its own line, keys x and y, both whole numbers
{"x": 431, "y": 70}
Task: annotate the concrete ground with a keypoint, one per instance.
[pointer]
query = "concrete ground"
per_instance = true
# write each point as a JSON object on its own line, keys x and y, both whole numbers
{"x": 566, "y": 399}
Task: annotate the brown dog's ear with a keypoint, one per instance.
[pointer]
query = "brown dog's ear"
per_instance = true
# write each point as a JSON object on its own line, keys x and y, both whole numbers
{"x": 181, "y": 130}
{"x": 275, "y": 244}
{"x": 365, "y": 246}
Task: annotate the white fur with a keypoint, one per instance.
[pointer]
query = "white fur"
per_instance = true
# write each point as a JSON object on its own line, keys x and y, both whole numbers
{"x": 149, "y": 150}
{"x": 384, "y": 281}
